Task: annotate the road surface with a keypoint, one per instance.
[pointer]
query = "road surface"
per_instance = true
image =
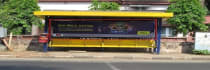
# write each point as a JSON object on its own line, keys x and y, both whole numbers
{"x": 100, "y": 65}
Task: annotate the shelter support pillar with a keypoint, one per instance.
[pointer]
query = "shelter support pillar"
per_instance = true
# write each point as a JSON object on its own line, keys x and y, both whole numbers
{"x": 45, "y": 46}
{"x": 159, "y": 21}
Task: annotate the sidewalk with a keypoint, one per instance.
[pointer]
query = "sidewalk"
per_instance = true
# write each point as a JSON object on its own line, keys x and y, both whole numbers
{"x": 103, "y": 55}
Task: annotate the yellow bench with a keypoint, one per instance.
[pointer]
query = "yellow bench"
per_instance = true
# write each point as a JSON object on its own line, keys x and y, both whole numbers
{"x": 108, "y": 43}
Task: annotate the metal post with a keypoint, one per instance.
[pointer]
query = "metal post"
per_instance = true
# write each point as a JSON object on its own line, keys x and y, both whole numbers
{"x": 159, "y": 35}
{"x": 156, "y": 34}
{"x": 45, "y": 47}
{"x": 155, "y": 49}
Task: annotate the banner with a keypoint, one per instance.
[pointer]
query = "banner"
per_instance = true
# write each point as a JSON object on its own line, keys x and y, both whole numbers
{"x": 104, "y": 27}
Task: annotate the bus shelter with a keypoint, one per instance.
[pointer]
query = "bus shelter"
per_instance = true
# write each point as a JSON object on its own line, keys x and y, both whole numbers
{"x": 103, "y": 29}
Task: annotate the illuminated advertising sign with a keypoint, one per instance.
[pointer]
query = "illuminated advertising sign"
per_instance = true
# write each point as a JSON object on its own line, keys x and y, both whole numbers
{"x": 104, "y": 27}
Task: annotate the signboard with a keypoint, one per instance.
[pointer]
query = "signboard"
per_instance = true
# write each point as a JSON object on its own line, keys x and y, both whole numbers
{"x": 106, "y": 28}
{"x": 202, "y": 41}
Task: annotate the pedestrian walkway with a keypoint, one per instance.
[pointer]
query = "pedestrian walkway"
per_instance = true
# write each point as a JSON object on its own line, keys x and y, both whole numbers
{"x": 103, "y": 55}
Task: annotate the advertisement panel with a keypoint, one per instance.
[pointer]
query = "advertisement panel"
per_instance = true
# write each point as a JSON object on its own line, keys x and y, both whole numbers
{"x": 104, "y": 27}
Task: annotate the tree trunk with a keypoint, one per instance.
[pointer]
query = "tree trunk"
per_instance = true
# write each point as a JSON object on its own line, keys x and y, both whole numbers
{"x": 203, "y": 2}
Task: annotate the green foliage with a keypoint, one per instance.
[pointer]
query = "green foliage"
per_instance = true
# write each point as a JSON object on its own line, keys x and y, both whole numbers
{"x": 2, "y": 3}
{"x": 17, "y": 15}
{"x": 104, "y": 6}
{"x": 203, "y": 52}
{"x": 189, "y": 16}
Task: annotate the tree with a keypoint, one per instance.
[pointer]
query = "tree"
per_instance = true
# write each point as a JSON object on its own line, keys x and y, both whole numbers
{"x": 2, "y": 3}
{"x": 17, "y": 15}
{"x": 104, "y": 6}
{"x": 189, "y": 16}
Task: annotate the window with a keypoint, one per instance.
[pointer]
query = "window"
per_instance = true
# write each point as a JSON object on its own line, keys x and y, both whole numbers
{"x": 167, "y": 32}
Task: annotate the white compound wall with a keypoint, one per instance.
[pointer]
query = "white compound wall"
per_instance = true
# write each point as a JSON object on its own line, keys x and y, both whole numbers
{"x": 67, "y": 6}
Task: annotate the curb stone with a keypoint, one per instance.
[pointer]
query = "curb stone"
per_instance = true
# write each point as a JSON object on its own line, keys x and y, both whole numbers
{"x": 143, "y": 58}
{"x": 62, "y": 56}
{"x": 198, "y": 58}
{"x": 123, "y": 57}
{"x": 162, "y": 58}
{"x": 7, "y": 56}
{"x": 103, "y": 57}
{"x": 82, "y": 57}
{"x": 107, "y": 56}
{"x": 111, "y": 57}
{"x": 179, "y": 58}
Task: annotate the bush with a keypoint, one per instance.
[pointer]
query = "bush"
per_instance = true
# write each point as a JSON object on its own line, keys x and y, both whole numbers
{"x": 203, "y": 52}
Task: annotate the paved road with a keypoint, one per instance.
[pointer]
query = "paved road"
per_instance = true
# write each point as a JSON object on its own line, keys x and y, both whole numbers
{"x": 80, "y": 65}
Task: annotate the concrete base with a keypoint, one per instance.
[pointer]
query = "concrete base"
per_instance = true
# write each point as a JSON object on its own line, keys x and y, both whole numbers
{"x": 176, "y": 47}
